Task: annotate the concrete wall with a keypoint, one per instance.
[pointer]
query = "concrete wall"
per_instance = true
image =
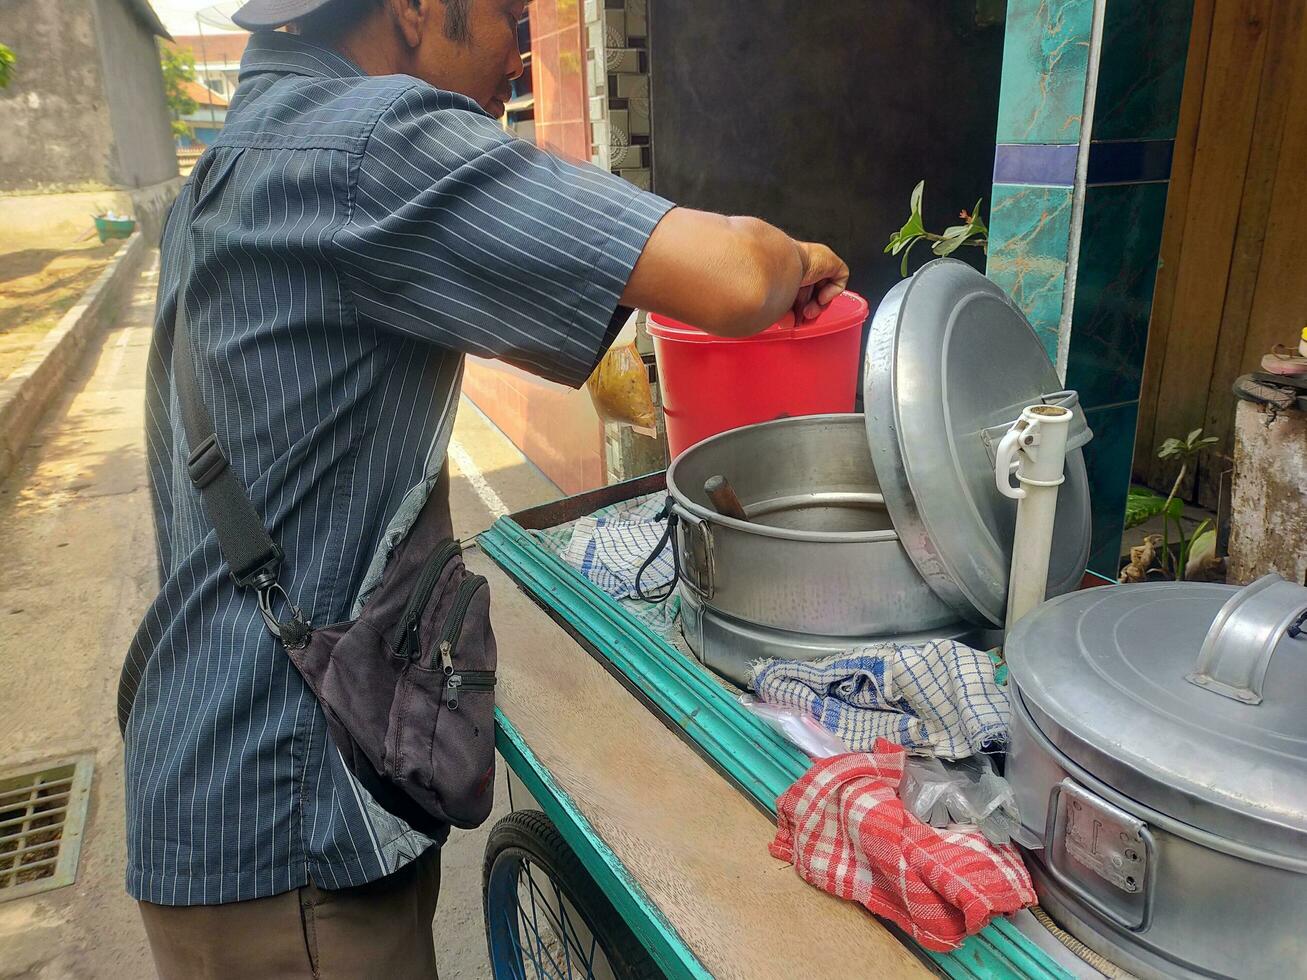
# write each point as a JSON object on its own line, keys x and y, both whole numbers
{"x": 54, "y": 122}
{"x": 133, "y": 86}
{"x": 86, "y": 103}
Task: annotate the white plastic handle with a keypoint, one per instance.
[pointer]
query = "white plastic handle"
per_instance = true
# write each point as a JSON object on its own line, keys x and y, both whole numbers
{"x": 1008, "y": 448}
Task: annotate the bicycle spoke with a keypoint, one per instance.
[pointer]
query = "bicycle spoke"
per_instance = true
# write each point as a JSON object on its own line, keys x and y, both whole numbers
{"x": 557, "y": 947}
{"x": 572, "y": 939}
{"x": 539, "y": 970}
{"x": 519, "y": 964}
{"x": 566, "y": 931}
{"x": 562, "y": 915}
{"x": 569, "y": 933}
{"x": 535, "y": 923}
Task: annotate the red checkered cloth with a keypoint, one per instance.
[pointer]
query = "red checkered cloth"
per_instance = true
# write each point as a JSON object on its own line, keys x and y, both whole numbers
{"x": 846, "y": 831}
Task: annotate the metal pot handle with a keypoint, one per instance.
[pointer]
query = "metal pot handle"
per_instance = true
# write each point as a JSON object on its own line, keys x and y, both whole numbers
{"x": 696, "y": 554}
{"x": 1101, "y": 854}
{"x": 1244, "y": 637}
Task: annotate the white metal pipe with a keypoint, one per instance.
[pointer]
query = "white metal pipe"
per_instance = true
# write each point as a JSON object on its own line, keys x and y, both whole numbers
{"x": 1037, "y": 444}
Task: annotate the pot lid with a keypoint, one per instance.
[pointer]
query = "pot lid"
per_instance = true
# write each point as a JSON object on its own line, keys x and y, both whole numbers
{"x": 950, "y": 364}
{"x": 1188, "y": 698}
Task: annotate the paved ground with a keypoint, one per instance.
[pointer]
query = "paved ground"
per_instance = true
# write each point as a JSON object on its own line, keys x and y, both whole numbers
{"x": 77, "y": 573}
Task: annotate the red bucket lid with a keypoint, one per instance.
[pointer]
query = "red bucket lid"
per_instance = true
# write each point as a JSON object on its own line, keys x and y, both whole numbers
{"x": 845, "y": 311}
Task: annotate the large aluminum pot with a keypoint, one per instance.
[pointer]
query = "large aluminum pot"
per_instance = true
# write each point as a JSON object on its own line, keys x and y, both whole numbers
{"x": 1158, "y": 747}
{"x": 819, "y": 553}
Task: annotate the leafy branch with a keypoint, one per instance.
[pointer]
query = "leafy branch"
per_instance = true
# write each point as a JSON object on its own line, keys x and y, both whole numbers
{"x": 972, "y": 231}
{"x": 178, "y": 68}
{"x": 7, "y": 62}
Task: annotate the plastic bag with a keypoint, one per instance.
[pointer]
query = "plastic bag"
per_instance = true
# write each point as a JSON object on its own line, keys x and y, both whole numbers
{"x": 965, "y": 793}
{"x": 619, "y": 384}
{"x": 798, "y": 728}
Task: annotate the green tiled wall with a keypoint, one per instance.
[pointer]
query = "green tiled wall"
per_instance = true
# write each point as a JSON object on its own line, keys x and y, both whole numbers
{"x": 1142, "y": 69}
{"x": 1029, "y": 233}
{"x": 1045, "y": 57}
{"x": 1107, "y": 458}
{"x": 1119, "y": 238}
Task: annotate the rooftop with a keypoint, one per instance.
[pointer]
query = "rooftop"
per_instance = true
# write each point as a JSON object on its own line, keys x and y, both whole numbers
{"x": 204, "y": 95}
{"x": 214, "y": 48}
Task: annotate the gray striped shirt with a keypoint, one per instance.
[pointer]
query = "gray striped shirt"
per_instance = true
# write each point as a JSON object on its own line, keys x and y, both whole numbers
{"x": 354, "y": 237}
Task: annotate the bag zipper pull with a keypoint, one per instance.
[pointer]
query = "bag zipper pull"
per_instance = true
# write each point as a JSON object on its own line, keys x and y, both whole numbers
{"x": 446, "y": 658}
{"x": 452, "y": 685}
{"x": 410, "y": 641}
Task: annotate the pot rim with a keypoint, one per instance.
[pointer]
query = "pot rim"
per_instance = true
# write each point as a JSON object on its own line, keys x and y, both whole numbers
{"x": 687, "y": 507}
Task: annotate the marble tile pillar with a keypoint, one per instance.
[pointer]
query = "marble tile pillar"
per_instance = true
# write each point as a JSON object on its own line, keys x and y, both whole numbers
{"x": 1087, "y": 113}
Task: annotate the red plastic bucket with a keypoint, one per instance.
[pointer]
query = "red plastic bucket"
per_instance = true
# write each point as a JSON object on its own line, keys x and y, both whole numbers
{"x": 711, "y": 384}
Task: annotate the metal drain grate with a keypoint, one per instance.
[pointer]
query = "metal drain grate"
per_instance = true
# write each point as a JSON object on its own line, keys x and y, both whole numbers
{"x": 42, "y": 813}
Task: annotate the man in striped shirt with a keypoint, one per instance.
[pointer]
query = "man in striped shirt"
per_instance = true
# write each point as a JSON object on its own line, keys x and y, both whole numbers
{"x": 361, "y": 224}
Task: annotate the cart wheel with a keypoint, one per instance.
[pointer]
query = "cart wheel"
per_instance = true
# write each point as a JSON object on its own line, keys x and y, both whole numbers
{"x": 545, "y": 916}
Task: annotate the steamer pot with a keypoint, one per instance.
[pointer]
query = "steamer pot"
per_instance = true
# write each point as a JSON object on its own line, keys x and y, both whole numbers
{"x": 1159, "y": 750}
{"x": 819, "y": 554}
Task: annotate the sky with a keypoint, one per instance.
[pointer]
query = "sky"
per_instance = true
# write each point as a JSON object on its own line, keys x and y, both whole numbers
{"x": 179, "y": 15}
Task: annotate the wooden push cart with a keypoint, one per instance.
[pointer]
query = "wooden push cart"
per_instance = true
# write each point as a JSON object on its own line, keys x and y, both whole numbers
{"x": 644, "y": 799}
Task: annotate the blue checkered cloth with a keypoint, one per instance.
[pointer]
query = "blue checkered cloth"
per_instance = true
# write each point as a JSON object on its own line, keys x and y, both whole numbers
{"x": 609, "y": 551}
{"x": 664, "y": 618}
{"x": 938, "y": 698}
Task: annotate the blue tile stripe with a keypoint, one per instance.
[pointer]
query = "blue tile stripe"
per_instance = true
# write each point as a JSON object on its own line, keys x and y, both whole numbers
{"x": 1130, "y": 161}
{"x": 1110, "y": 162}
{"x": 1049, "y": 164}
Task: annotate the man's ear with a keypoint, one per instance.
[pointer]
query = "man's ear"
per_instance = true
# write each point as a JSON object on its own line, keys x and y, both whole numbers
{"x": 410, "y": 18}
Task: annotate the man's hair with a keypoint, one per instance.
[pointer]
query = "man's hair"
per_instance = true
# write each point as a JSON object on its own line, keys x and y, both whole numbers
{"x": 336, "y": 19}
{"x": 456, "y": 22}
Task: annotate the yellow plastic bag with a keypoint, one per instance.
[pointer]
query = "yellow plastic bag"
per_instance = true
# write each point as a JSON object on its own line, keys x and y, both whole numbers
{"x": 619, "y": 385}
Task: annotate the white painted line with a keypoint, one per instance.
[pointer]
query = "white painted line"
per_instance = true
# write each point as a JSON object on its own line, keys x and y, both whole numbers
{"x": 492, "y": 501}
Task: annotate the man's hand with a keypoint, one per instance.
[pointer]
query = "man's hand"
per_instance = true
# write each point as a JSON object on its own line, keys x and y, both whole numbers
{"x": 731, "y": 276}
{"x": 824, "y": 277}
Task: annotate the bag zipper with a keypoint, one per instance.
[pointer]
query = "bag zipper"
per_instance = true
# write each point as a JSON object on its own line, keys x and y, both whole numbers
{"x": 467, "y": 680}
{"x": 454, "y": 624}
{"x": 417, "y": 601}
{"x": 472, "y": 680}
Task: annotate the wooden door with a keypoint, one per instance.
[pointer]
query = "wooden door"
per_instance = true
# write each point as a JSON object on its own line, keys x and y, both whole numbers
{"x": 1232, "y": 281}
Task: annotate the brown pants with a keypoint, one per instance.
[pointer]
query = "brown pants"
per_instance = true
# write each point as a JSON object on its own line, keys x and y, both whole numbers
{"x": 382, "y": 929}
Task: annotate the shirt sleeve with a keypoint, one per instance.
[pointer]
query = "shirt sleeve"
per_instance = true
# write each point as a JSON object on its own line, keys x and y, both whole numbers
{"x": 467, "y": 237}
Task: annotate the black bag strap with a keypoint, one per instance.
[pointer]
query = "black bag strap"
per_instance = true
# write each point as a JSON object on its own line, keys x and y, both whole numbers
{"x": 250, "y": 553}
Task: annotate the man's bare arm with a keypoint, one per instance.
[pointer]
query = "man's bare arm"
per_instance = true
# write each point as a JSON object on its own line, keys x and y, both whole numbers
{"x": 731, "y": 276}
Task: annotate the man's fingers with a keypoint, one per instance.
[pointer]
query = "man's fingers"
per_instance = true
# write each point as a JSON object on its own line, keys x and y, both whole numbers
{"x": 820, "y": 263}
{"x": 828, "y": 291}
{"x": 801, "y": 300}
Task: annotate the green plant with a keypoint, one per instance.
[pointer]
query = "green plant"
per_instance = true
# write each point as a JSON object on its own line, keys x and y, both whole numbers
{"x": 178, "y": 66}
{"x": 7, "y": 61}
{"x": 971, "y": 232}
{"x": 1143, "y": 504}
{"x": 1186, "y": 450}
